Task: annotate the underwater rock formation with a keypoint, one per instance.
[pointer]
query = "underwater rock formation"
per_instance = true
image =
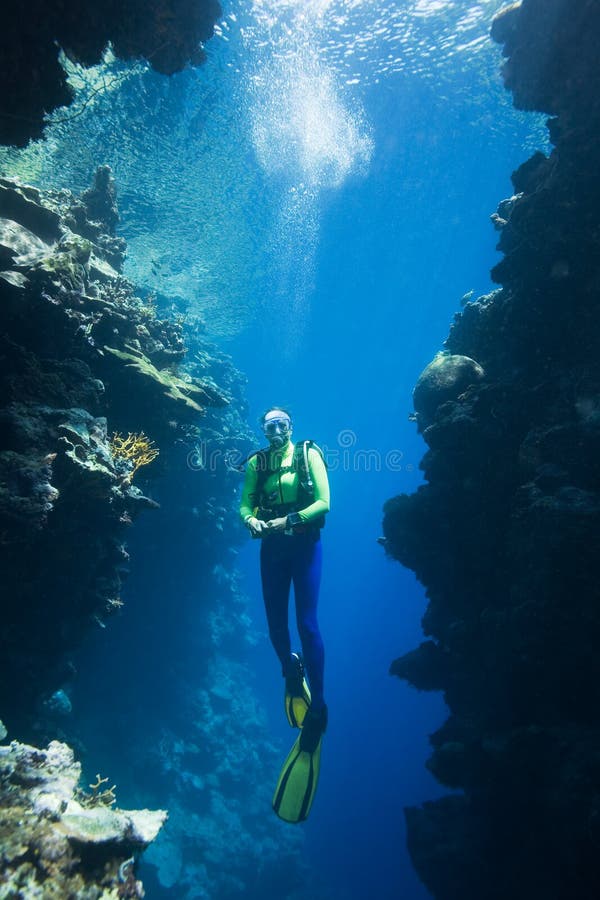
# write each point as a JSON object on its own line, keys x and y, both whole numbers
{"x": 59, "y": 841}
{"x": 445, "y": 378}
{"x": 81, "y": 356}
{"x": 505, "y": 534}
{"x": 168, "y": 33}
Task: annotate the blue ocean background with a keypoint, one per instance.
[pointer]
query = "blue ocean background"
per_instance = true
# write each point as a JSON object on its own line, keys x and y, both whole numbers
{"x": 319, "y": 192}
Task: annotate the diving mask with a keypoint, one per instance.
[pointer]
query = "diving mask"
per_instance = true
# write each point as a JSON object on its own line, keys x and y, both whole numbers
{"x": 280, "y": 425}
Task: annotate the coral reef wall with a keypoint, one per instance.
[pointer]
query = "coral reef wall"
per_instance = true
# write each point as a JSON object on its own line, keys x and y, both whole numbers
{"x": 168, "y": 33}
{"x": 76, "y": 346}
{"x": 505, "y": 533}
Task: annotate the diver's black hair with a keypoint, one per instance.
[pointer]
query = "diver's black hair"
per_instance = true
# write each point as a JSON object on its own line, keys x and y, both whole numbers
{"x": 270, "y": 409}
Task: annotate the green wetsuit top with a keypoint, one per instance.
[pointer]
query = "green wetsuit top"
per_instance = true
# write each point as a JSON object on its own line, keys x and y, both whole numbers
{"x": 286, "y": 483}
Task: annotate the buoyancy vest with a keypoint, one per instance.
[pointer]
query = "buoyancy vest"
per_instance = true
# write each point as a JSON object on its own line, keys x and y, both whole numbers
{"x": 268, "y": 505}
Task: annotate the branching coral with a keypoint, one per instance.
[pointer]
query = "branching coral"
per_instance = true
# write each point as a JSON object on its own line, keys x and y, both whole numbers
{"x": 137, "y": 448}
{"x": 98, "y": 797}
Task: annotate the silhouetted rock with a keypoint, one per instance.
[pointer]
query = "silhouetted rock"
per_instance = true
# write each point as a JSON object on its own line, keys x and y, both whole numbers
{"x": 505, "y": 534}
{"x": 168, "y": 33}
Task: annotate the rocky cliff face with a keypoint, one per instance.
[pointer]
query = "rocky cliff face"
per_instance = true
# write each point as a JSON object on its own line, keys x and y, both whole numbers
{"x": 505, "y": 533}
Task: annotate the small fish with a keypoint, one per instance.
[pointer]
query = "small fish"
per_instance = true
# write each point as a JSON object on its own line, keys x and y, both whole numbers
{"x": 466, "y": 297}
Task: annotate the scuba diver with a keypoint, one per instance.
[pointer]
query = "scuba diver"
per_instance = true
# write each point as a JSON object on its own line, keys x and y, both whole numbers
{"x": 284, "y": 502}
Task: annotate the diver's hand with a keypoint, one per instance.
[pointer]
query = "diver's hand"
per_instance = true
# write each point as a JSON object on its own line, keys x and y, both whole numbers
{"x": 256, "y": 526}
{"x": 277, "y": 524}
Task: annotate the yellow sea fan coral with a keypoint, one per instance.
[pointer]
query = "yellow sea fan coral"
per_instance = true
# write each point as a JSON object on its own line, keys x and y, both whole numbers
{"x": 137, "y": 448}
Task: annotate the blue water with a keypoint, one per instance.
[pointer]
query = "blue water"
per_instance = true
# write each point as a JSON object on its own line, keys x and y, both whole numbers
{"x": 397, "y": 248}
{"x": 320, "y": 191}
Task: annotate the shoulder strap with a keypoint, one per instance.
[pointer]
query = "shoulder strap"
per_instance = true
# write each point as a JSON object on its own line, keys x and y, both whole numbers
{"x": 316, "y": 447}
{"x": 301, "y": 451}
{"x": 302, "y": 467}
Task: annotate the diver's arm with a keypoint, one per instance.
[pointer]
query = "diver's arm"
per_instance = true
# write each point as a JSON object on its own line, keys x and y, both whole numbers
{"x": 256, "y": 526}
{"x": 247, "y": 503}
{"x": 318, "y": 473}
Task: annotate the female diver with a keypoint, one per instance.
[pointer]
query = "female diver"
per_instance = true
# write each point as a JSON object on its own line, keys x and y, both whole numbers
{"x": 284, "y": 502}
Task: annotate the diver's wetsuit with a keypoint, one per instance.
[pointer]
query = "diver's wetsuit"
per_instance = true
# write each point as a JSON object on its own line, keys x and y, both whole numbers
{"x": 287, "y": 558}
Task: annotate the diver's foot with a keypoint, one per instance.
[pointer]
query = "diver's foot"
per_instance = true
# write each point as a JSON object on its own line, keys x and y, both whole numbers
{"x": 315, "y": 724}
{"x": 297, "y": 693}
